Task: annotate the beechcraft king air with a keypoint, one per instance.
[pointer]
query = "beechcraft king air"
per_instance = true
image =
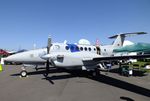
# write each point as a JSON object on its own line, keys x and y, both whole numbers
{"x": 72, "y": 56}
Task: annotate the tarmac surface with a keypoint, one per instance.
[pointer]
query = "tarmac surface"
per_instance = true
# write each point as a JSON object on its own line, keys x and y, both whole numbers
{"x": 71, "y": 86}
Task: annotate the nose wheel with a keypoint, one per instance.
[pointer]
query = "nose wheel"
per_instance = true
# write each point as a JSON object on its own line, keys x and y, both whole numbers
{"x": 23, "y": 73}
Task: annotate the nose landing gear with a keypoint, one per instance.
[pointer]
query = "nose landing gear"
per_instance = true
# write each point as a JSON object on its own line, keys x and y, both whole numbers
{"x": 23, "y": 73}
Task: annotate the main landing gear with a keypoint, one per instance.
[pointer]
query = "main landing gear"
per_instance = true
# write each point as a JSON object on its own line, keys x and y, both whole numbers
{"x": 95, "y": 72}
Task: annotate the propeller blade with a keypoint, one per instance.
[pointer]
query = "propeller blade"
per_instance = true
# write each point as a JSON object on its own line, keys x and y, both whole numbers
{"x": 49, "y": 44}
{"x": 47, "y": 68}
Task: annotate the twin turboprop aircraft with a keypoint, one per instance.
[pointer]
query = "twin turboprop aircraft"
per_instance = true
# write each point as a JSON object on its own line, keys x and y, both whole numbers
{"x": 73, "y": 56}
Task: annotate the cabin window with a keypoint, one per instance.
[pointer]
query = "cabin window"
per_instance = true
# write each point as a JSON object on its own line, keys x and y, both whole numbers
{"x": 105, "y": 50}
{"x": 67, "y": 48}
{"x": 85, "y": 48}
{"x": 81, "y": 48}
{"x": 89, "y": 49}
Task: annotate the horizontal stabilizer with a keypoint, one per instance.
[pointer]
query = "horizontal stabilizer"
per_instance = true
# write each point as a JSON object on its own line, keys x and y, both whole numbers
{"x": 127, "y": 34}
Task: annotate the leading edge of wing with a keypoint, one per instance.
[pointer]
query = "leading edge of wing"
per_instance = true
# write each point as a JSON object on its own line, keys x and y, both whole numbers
{"x": 121, "y": 57}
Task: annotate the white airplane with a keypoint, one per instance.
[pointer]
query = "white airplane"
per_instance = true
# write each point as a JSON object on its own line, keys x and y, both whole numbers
{"x": 71, "y": 56}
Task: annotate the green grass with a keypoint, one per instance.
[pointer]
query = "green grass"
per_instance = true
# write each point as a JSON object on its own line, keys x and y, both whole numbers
{"x": 140, "y": 65}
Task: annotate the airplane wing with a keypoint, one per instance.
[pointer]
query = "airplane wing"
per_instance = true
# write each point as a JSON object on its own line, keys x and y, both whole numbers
{"x": 100, "y": 59}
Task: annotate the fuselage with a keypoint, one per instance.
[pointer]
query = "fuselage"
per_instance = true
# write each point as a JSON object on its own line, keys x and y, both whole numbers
{"x": 60, "y": 54}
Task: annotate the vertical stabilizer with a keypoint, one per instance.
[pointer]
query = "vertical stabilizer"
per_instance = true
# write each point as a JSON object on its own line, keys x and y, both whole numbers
{"x": 121, "y": 37}
{"x": 119, "y": 41}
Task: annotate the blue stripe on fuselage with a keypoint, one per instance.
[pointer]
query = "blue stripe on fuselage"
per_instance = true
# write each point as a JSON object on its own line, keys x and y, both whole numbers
{"x": 73, "y": 47}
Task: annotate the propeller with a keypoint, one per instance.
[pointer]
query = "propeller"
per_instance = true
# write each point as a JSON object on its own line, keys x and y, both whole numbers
{"x": 49, "y": 44}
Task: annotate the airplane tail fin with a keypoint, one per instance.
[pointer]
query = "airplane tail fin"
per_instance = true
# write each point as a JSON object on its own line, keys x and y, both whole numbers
{"x": 121, "y": 37}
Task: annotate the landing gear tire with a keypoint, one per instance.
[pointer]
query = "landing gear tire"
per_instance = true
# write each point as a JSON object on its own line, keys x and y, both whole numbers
{"x": 96, "y": 72}
{"x": 45, "y": 74}
{"x": 36, "y": 68}
{"x": 23, "y": 73}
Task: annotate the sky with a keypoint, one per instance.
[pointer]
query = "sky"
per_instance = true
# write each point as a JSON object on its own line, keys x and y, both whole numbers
{"x": 27, "y": 22}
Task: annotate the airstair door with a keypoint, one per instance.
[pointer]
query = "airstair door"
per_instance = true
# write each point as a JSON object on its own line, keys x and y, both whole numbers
{"x": 98, "y": 50}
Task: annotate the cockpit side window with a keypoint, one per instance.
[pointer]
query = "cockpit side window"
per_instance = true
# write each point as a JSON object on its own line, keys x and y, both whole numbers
{"x": 73, "y": 47}
{"x": 67, "y": 48}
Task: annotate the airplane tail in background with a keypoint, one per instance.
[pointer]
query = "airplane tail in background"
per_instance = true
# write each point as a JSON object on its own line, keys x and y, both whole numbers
{"x": 97, "y": 42}
{"x": 121, "y": 37}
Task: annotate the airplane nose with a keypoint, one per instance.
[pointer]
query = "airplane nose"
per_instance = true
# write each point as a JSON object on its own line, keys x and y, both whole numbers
{"x": 6, "y": 60}
{"x": 12, "y": 58}
{"x": 9, "y": 59}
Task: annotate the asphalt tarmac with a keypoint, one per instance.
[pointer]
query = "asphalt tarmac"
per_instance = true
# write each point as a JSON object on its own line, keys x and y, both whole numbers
{"x": 62, "y": 85}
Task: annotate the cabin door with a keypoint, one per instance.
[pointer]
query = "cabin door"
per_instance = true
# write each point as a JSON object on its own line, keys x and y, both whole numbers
{"x": 98, "y": 50}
